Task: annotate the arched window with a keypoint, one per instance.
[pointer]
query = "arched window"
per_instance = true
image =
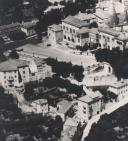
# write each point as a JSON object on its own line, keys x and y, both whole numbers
{"x": 64, "y": 36}
{"x": 69, "y": 39}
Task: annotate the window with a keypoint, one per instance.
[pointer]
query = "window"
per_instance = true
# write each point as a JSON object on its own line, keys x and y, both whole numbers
{"x": 63, "y": 27}
{"x": 4, "y": 77}
{"x": 79, "y": 40}
{"x": 69, "y": 38}
{"x": 64, "y": 37}
{"x": 67, "y": 28}
{"x": 70, "y": 30}
{"x": 15, "y": 76}
{"x": 23, "y": 72}
{"x": 73, "y": 30}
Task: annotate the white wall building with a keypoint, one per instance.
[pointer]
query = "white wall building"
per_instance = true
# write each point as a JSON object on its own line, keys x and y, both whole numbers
{"x": 89, "y": 105}
{"x": 13, "y": 73}
{"x": 119, "y": 88}
{"x": 40, "y": 106}
{"x": 55, "y": 34}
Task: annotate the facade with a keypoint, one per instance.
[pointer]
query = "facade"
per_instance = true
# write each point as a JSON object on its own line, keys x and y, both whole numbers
{"x": 109, "y": 38}
{"x": 71, "y": 28}
{"x": 40, "y": 106}
{"x": 14, "y": 73}
{"x": 119, "y": 88}
{"x": 89, "y": 105}
{"x": 5, "y": 30}
{"x": 55, "y": 34}
{"x": 29, "y": 27}
{"x": 65, "y": 109}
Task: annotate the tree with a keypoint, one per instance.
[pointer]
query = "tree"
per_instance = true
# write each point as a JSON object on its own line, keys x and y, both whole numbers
{"x": 16, "y": 36}
{"x": 14, "y": 54}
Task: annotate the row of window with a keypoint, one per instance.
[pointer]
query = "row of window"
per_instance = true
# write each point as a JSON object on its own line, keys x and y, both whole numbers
{"x": 69, "y": 29}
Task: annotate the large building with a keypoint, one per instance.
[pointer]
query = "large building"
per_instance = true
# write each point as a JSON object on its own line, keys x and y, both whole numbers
{"x": 120, "y": 89}
{"x": 71, "y": 28}
{"x": 55, "y": 33}
{"x": 109, "y": 38}
{"x": 90, "y": 105}
{"x": 13, "y": 73}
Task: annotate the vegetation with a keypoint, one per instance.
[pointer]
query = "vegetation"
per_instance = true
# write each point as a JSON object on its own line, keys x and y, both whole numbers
{"x": 86, "y": 47}
{"x": 65, "y": 69}
{"x": 14, "y": 54}
{"x": 104, "y": 129}
{"x": 13, "y": 121}
{"x": 17, "y": 36}
{"x": 117, "y": 59}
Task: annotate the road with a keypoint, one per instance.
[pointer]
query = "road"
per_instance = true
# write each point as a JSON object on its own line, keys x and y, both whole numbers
{"x": 60, "y": 54}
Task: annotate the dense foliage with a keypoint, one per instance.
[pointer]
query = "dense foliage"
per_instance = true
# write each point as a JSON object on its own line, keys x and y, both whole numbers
{"x": 66, "y": 69}
{"x": 104, "y": 129}
{"x": 117, "y": 59}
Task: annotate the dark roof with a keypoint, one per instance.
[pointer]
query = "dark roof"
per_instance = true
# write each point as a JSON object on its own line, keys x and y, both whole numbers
{"x": 55, "y": 28}
{"x": 9, "y": 27}
{"x": 109, "y": 31}
{"x": 75, "y": 22}
{"x": 12, "y": 65}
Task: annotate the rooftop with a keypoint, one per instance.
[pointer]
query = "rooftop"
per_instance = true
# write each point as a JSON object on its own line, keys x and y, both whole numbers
{"x": 13, "y": 26}
{"x": 84, "y": 30}
{"x": 119, "y": 84}
{"x": 40, "y": 101}
{"x": 29, "y": 24}
{"x": 64, "y": 106}
{"x": 84, "y": 16}
{"x": 91, "y": 96}
{"x": 55, "y": 28}
{"x": 12, "y": 65}
{"x": 72, "y": 20}
{"x": 109, "y": 31}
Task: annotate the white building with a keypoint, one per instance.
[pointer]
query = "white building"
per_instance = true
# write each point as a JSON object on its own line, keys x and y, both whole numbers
{"x": 65, "y": 109}
{"x": 55, "y": 34}
{"x": 13, "y": 73}
{"x": 119, "y": 88}
{"x": 89, "y": 105}
{"x": 71, "y": 28}
{"x": 40, "y": 106}
{"x": 109, "y": 38}
{"x": 29, "y": 27}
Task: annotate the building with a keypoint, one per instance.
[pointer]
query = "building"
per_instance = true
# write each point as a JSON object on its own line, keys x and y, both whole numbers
{"x": 90, "y": 105}
{"x": 109, "y": 38}
{"x": 72, "y": 31}
{"x": 29, "y": 27}
{"x": 119, "y": 88}
{"x": 65, "y": 109}
{"x": 40, "y": 106}
{"x": 88, "y": 18}
{"x": 37, "y": 65}
{"x": 55, "y": 34}
{"x": 14, "y": 73}
{"x": 5, "y": 30}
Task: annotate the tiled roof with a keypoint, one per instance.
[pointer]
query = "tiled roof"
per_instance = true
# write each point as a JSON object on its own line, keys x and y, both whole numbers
{"x": 84, "y": 16}
{"x": 109, "y": 31}
{"x": 64, "y": 106}
{"x": 84, "y": 30}
{"x": 12, "y": 65}
{"x": 55, "y": 27}
{"x": 122, "y": 37}
{"x": 91, "y": 96}
{"x": 118, "y": 84}
{"x": 75, "y": 22}
{"x": 10, "y": 27}
{"x": 40, "y": 101}
{"x": 85, "y": 99}
{"x": 29, "y": 24}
